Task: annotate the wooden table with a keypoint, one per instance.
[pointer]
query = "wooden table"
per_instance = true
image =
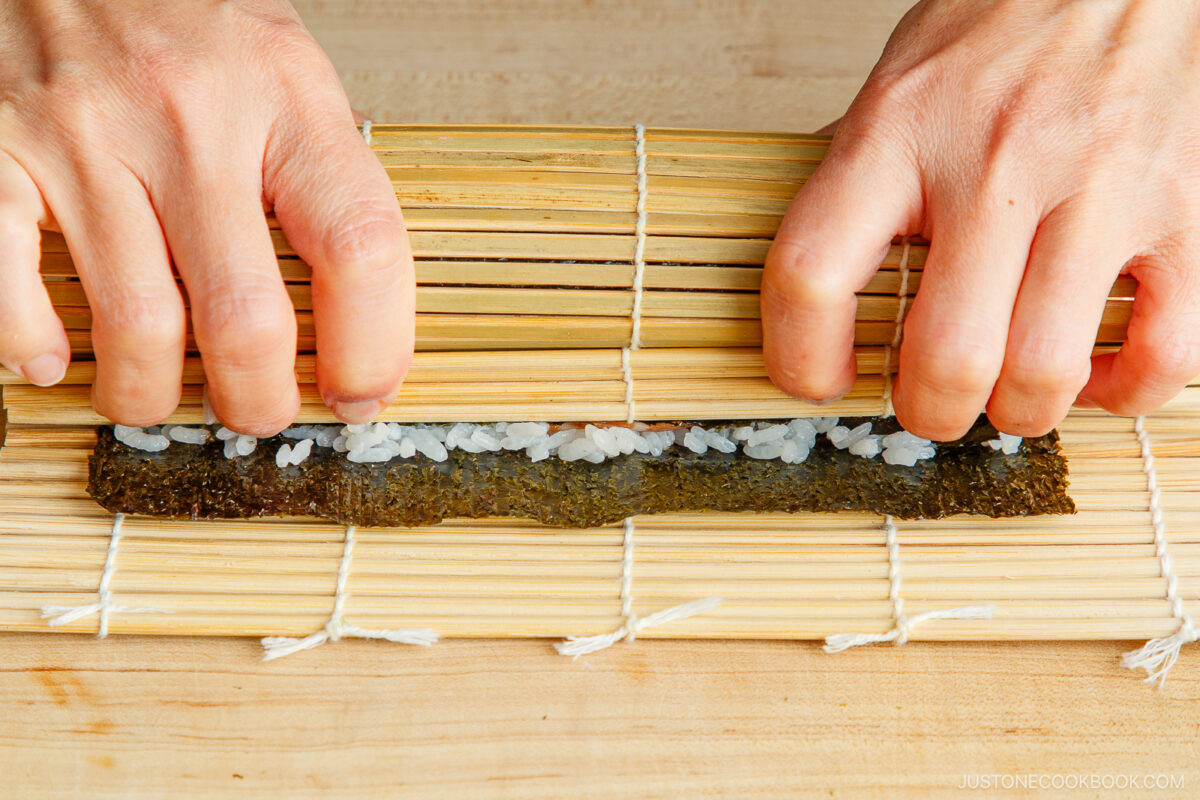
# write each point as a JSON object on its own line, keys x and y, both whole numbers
{"x": 133, "y": 717}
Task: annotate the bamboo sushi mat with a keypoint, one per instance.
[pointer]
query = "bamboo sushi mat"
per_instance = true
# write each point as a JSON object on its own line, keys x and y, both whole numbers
{"x": 541, "y": 213}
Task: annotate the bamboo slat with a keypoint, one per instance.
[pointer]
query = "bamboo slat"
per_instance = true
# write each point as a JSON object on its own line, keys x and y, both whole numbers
{"x": 1095, "y": 574}
{"x": 525, "y": 240}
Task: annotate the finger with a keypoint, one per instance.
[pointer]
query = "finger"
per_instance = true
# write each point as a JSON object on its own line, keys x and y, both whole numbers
{"x": 138, "y": 321}
{"x": 954, "y": 336}
{"x": 243, "y": 320}
{"x": 337, "y": 207}
{"x": 1073, "y": 261}
{"x": 830, "y": 243}
{"x": 1161, "y": 353}
{"x": 33, "y": 343}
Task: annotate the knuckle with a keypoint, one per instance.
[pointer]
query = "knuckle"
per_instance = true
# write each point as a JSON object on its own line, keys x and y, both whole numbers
{"x": 18, "y": 238}
{"x": 955, "y": 368}
{"x": 366, "y": 250}
{"x": 21, "y": 340}
{"x": 141, "y": 329}
{"x": 795, "y": 275}
{"x": 1045, "y": 368}
{"x": 1172, "y": 357}
{"x": 896, "y": 93}
{"x": 1131, "y": 405}
{"x": 71, "y": 82}
{"x": 246, "y": 327}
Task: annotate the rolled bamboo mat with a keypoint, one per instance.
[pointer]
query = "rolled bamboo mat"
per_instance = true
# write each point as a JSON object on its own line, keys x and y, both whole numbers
{"x": 535, "y": 245}
{"x": 527, "y": 243}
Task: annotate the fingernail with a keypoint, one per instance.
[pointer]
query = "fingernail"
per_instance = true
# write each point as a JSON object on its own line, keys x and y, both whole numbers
{"x": 45, "y": 370}
{"x": 358, "y": 411}
{"x": 828, "y": 401}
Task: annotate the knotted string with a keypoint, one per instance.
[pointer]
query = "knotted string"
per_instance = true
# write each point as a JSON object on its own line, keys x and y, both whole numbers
{"x": 1157, "y": 656}
{"x": 902, "y": 624}
{"x": 337, "y": 628}
{"x": 104, "y": 605}
{"x": 577, "y": 646}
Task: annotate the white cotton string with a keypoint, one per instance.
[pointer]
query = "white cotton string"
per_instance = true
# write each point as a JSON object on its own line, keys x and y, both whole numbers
{"x": 639, "y": 232}
{"x": 104, "y": 606}
{"x": 577, "y": 646}
{"x": 337, "y": 628}
{"x": 1158, "y": 656}
{"x": 366, "y": 131}
{"x": 904, "y": 627}
{"x": 903, "y": 624}
{"x": 627, "y": 575}
{"x": 891, "y": 347}
{"x": 639, "y": 272}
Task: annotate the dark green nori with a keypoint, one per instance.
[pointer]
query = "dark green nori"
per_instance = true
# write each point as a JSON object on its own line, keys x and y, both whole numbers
{"x": 199, "y": 482}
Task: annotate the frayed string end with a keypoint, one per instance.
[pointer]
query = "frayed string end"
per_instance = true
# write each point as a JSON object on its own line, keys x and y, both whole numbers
{"x": 576, "y": 646}
{"x": 1158, "y": 656}
{"x": 903, "y": 628}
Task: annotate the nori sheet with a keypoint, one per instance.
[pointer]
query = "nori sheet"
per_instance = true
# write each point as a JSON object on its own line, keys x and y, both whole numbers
{"x": 198, "y": 482}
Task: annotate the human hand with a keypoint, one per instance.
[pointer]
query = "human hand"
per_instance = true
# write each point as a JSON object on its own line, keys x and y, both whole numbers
{"x": 1044, "y": 147}
{"x": 151, "y": 131}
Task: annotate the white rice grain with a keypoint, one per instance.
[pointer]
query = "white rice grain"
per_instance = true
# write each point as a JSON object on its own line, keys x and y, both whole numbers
{"x": 485, "y": 439}
{"x": 300, "y": 432}
{"x": 300, "y": 451}
{"x": 428, "y": 445}
{"x": 326, "y": 436}
{"x": 526, "y": 429}
{"x": 772, "y": 434}
{"x": 139, "y": 439}
{"x": 408, "y": 448}
{"x": 794, "y": 451}
{"x": 581, "y": 448}
{"x": 371, "y": 455}
{"x": 764, "y": 452}
{"x": 605, "y": 441}
{"x": 866, "y": 447}
{"x": 186, "y": 435}
{"x": 694, "y": 440}
{"x": 244, "y": 445}
{"x": 803, "y": 431}
{"x": 719, "y": 442}
{"x": 538, "y": 451}
{"x": 460, "y": 432}
{"x": 824, "y": 424}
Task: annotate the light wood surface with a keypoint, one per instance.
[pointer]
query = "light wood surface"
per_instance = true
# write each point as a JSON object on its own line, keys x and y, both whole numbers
{"x": 133, "y": 717}
{"x": 733, "y": 64}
